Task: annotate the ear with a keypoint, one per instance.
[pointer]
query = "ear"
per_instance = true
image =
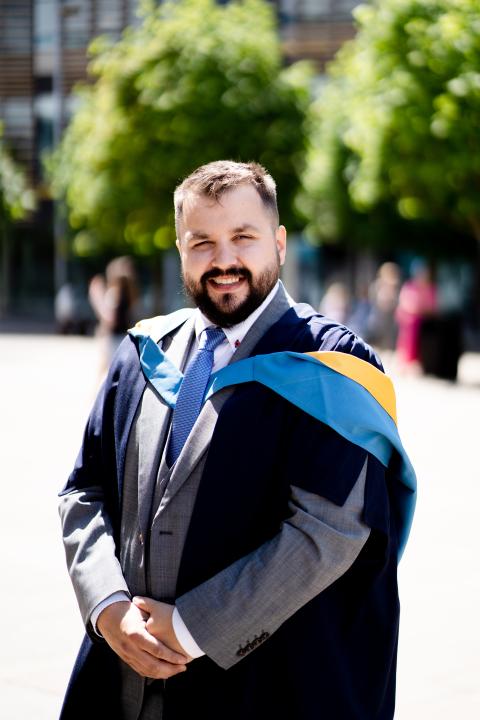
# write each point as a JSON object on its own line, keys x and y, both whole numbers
{"x": 177, "y": 243}
{"x": 281, "y": 242}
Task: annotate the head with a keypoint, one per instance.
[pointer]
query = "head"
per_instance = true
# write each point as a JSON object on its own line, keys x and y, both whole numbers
{"x": 230, "y": 243}
{"x": 419, "y": 270}
{"x": 121, "y": 274}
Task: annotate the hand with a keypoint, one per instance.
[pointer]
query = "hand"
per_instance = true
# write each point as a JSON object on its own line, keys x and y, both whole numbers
{"x": 122, "y": 624}
{"x": 159, "y": 622}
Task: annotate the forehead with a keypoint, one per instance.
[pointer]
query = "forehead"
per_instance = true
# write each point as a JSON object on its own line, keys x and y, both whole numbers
{"x": 238, "y": 206}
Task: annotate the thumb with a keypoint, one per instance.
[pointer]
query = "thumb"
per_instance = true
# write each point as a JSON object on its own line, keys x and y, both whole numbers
{"x": 141, "y": 602}
{"x": 143, "y": 606}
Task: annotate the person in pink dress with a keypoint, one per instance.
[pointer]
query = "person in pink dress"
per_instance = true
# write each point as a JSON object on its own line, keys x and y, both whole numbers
{"x": 417, "y": 300}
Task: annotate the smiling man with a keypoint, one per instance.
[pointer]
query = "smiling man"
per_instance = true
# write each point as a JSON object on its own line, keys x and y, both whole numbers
{"x": 231, "y": 536}
{"x": 231, "y": 249}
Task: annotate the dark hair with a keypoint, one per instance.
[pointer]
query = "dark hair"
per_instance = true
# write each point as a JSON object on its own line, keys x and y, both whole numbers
{"x": 215, "y": 178}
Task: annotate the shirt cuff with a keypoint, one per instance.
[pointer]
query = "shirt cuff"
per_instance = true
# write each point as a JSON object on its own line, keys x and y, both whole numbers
{"x": 184, "y": 636}
{"x": 119, "y": 596}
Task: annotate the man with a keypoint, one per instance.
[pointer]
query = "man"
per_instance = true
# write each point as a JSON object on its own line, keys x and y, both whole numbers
{"x": 232, "y": 538}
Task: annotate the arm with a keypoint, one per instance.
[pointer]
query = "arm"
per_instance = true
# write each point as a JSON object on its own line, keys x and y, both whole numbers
{"x": 94, "y": 569}
{"x": 252, "y": 597}
{"x": 91, "y": 552}
{"x": 88, "y": 533}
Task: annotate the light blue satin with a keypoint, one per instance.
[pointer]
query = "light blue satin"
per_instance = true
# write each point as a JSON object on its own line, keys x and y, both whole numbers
{"x": 165, "y": 377}
{"x": 339, "y": 402}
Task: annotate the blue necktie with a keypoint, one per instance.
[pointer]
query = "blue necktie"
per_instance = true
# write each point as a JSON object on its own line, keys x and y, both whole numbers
{"x": 192, "y": 391}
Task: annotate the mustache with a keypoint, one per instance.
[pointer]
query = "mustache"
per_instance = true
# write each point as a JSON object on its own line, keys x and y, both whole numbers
{"x": 237, "y": 272}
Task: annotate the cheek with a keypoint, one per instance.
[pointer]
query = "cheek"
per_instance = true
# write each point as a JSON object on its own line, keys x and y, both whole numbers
{"x": 192, "y": 266}
{"x": 258, "y": 258}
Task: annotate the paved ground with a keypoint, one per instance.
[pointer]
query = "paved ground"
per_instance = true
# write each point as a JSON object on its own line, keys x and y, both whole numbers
{"x": 46, "y": 387}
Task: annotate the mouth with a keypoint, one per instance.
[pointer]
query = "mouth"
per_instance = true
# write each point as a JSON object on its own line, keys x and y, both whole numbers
{"x": 226, "y": 283}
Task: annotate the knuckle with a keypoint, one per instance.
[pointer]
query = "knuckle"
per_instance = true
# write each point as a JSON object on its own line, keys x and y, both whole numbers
{"x": 160, "y": 652}
{"x": 165, "y": 653}
{"x": 171, "y": 670}
{"x": 153, "y": 670}
{"x": 124, "y": 646}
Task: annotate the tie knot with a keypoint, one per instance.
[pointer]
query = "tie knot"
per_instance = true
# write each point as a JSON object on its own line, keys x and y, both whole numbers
{"x": 211, "y": 338}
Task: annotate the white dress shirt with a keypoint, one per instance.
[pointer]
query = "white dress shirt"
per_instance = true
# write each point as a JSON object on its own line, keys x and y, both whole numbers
{"x": 222, "y": 355}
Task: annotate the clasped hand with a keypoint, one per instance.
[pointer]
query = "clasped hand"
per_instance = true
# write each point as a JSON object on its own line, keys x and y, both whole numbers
{"x": 142, "y": 635}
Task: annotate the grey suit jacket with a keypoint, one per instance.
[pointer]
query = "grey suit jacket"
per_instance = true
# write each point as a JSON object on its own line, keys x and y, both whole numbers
{"x": 316, "y": 545}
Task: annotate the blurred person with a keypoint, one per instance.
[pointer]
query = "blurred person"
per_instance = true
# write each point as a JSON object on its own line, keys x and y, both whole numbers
{"x": 417, "y": 301}
{"x": 384, "y": 293}
{"x": 336, "y": 302}
{"x": 65, "y": 309}
{"x": 113, "y": 300}
{"x": 360, "y": 313}
{"x": 233, "y": 543}
{"x": 72, "y": 312}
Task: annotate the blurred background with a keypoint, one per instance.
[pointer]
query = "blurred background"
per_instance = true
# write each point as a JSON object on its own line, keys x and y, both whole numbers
{"x": 368, "y": 118}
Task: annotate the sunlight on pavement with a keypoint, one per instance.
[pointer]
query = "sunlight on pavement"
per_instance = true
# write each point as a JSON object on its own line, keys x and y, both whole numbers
{"x": 47, "y": 385}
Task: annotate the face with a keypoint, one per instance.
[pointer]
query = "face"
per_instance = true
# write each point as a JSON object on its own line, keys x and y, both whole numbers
{"x": 231, "y": 253}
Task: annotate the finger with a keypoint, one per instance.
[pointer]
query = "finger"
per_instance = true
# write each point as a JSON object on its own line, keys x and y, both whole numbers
{"x": 143, "y": 606}
{"x": 155, "y": 668}
{"x": 142, "y": 603}
{"x": 158, "y": 649}
{"x": 150, "y": 626}
{"x": 148, "y": 666}
{"x": 144, "y": 614}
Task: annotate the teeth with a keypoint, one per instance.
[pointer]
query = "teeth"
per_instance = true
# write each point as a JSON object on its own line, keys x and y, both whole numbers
{"x": 226, "y": 281}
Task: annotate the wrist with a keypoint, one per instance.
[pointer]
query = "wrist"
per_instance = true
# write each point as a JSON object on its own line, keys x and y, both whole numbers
{"x": 113, "y": 613}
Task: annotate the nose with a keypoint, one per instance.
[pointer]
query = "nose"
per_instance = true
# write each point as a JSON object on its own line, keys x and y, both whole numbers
{"x": 225, "y": 255}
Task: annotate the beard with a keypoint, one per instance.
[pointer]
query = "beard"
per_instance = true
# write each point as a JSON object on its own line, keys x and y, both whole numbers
{"x": 227, "y": 311}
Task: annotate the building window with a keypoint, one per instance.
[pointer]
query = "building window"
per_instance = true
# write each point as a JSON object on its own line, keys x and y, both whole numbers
{"x": 17, "y": 116}
{"x": 298, "y": 10}
{"x": 15, "y": 25}
{"x": 43, "y": 37}
{"x": 108, "y": 16}
{"x": 76, "y": 24}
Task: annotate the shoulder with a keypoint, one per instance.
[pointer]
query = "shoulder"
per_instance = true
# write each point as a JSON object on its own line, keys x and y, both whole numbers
{"x": 336, "y": 337}
{"x": 125, "y": 355}
{"x": 161, "y": 325}
{"x": 326, "y": 334}
{"x": 126, "y": 361}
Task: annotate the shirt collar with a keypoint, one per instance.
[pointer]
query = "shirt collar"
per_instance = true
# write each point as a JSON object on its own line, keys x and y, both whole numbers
{"x": 236, "y": 333}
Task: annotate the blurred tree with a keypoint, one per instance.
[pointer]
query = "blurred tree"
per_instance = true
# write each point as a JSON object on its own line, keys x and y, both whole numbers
{"x": 395, "y": 133}
{"x": 16, "y": 199}
{"x": 194, "y": 82}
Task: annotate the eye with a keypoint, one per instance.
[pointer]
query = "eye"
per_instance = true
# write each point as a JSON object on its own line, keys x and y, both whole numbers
{"x": 243, "y": 237}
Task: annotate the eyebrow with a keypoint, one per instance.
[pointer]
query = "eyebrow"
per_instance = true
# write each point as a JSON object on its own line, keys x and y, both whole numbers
{"x": 200, "y": 235}
{"x": 245, "y": 226}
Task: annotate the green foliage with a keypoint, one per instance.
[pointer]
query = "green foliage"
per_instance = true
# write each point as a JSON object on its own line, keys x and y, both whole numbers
{"x": 195, "y": 82}
{"x": 16, "y": 199}
{"x": 396, "y": 131}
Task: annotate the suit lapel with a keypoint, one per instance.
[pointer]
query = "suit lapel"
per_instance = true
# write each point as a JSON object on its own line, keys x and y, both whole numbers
{"x": 154, "y": 422}
{"x": 201, "y": 434}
